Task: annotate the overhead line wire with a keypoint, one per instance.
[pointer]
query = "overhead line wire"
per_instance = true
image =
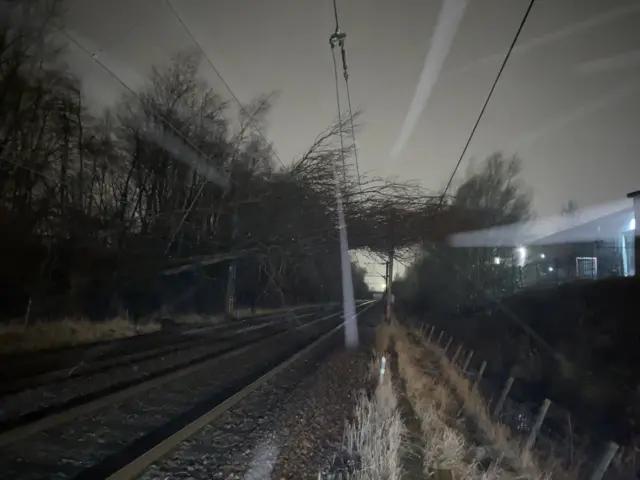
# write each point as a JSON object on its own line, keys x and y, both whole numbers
{"x": 219, "y": 75}
{"x": 123, "y": 83}
{"x": 338, "y": 39}
{"x": 486, "y": 102}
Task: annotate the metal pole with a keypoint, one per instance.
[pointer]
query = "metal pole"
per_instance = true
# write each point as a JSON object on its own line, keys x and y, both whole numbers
{"x": 465, "y": 366}
{"x": 446, "y": 347}
{"x": 608, "y": 454}
{"x": 531, "y": 439}
{"x": 503, "y": 396}
{"x": 455, "y": 355}
{"x": 476, "y": 382}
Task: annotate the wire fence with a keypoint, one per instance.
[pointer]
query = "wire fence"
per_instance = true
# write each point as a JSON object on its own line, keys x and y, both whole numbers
{"x": 563, "y": 438}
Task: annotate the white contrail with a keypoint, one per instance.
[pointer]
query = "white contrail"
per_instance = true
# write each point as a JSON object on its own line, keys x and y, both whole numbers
{"x": 567, "y": 31}
{"x": 604, "y": 64}
{"x": 573, "y": 29}
{"x": 552, "y": 126}
{"x": 446, "y": 28}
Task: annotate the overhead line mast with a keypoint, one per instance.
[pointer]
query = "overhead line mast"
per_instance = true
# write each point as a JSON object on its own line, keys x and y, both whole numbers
{"x": 337, "y": 39}
{"x": 348, "y": 302}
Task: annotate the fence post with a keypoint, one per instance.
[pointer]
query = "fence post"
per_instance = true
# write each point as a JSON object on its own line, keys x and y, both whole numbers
{"x": 602, "y": 466}
{"x": 467, "y": 362}
{"x": 430, "y": 333}
{"x": 440, "y": 337}
{"x": 446, "y": 347}
{"x": 455, "y": 355}
{"x": 476, "y": 382}
{"x": 503, "y": 396}
{"x": 531, "y": 439}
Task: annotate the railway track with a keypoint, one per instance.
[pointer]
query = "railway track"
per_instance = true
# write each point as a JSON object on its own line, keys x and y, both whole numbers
{"x": 23, "y": 370}
{"x": 118, "y": 434}
{"x": 92, "y": 363}
{"x": 61, "y": 391}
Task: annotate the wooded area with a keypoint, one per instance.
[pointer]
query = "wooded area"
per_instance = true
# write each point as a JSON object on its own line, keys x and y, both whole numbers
{"x": 145, "y": 205}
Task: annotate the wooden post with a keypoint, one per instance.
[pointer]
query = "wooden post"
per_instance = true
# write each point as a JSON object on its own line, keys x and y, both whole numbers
{"x": 440, "y": 337}
{"x": 531, "y": 439}
{"x": 476, "y": 382}
{"x": 503, "y": 396}
{"x": 430, "y": 333}
{"x": 230, "y": 295}
{"x": 602, "y": 466}
{"x": 455, "y": 355}
{"x": 467, "y": 362}
{"x": 446, "y": 347}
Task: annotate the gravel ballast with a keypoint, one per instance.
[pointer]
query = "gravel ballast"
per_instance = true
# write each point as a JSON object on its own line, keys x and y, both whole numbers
{"x": 89, "y": 441}
{"x": 289, "y": 428}
{"x": 13, "y": 406}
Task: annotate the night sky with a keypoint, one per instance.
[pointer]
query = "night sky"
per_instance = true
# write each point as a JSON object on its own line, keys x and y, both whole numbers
{"x": 568, "y": 102}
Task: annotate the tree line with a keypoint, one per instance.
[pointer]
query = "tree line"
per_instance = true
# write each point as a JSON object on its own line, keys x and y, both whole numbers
{"x": 147, "y": 203}
{"x": 153, "y": 197}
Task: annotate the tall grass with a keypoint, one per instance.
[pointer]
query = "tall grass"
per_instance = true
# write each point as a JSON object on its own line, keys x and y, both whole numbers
{"x": 445, "y": 447}
{"x": 375, "y": 435}
{"x": 38, "y": 336}
{"x": 373, "y": 439}
{"x": 494, "y": 435}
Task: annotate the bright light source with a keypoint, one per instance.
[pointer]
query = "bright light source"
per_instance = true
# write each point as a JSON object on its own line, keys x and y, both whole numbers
{"x": 522, "y": 256}
{"x": 496, "y": 260}
{"x": 551, "y": 269}
{"x": 542, "y": 255}
{"x": 632, "y": 224}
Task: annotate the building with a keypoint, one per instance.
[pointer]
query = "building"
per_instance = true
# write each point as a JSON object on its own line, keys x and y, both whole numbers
{"x": 595, "y": 242}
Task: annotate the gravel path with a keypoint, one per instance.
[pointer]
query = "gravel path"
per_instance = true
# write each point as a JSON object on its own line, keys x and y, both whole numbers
{"x": 65, "y": 451}
{"x": 287, "y": 429}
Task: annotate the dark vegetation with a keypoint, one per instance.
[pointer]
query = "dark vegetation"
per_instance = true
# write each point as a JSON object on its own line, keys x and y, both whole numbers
{"x": 575, "y": 343}
{"x": 134, "y": 209}
{"x": 145, "y": 205}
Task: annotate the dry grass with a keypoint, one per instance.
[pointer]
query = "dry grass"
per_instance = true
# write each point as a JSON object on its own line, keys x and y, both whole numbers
{"x": 445, "y": 446}
{"x": 495, "y": 436}
{"x": 375, "y": 435}
{"x": 373, "y": 439}
{"x": 15, "y": 338}
{"x": 460, "y": 438}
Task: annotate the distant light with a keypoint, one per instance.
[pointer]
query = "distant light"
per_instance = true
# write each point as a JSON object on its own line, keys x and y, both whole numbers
{"x": 551, "y": 269}
{"x": 496, "y": 260}
{"x": 522, "y": 256}
{"x": 542, "y": 255}
{"x": 632, "y": 224}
